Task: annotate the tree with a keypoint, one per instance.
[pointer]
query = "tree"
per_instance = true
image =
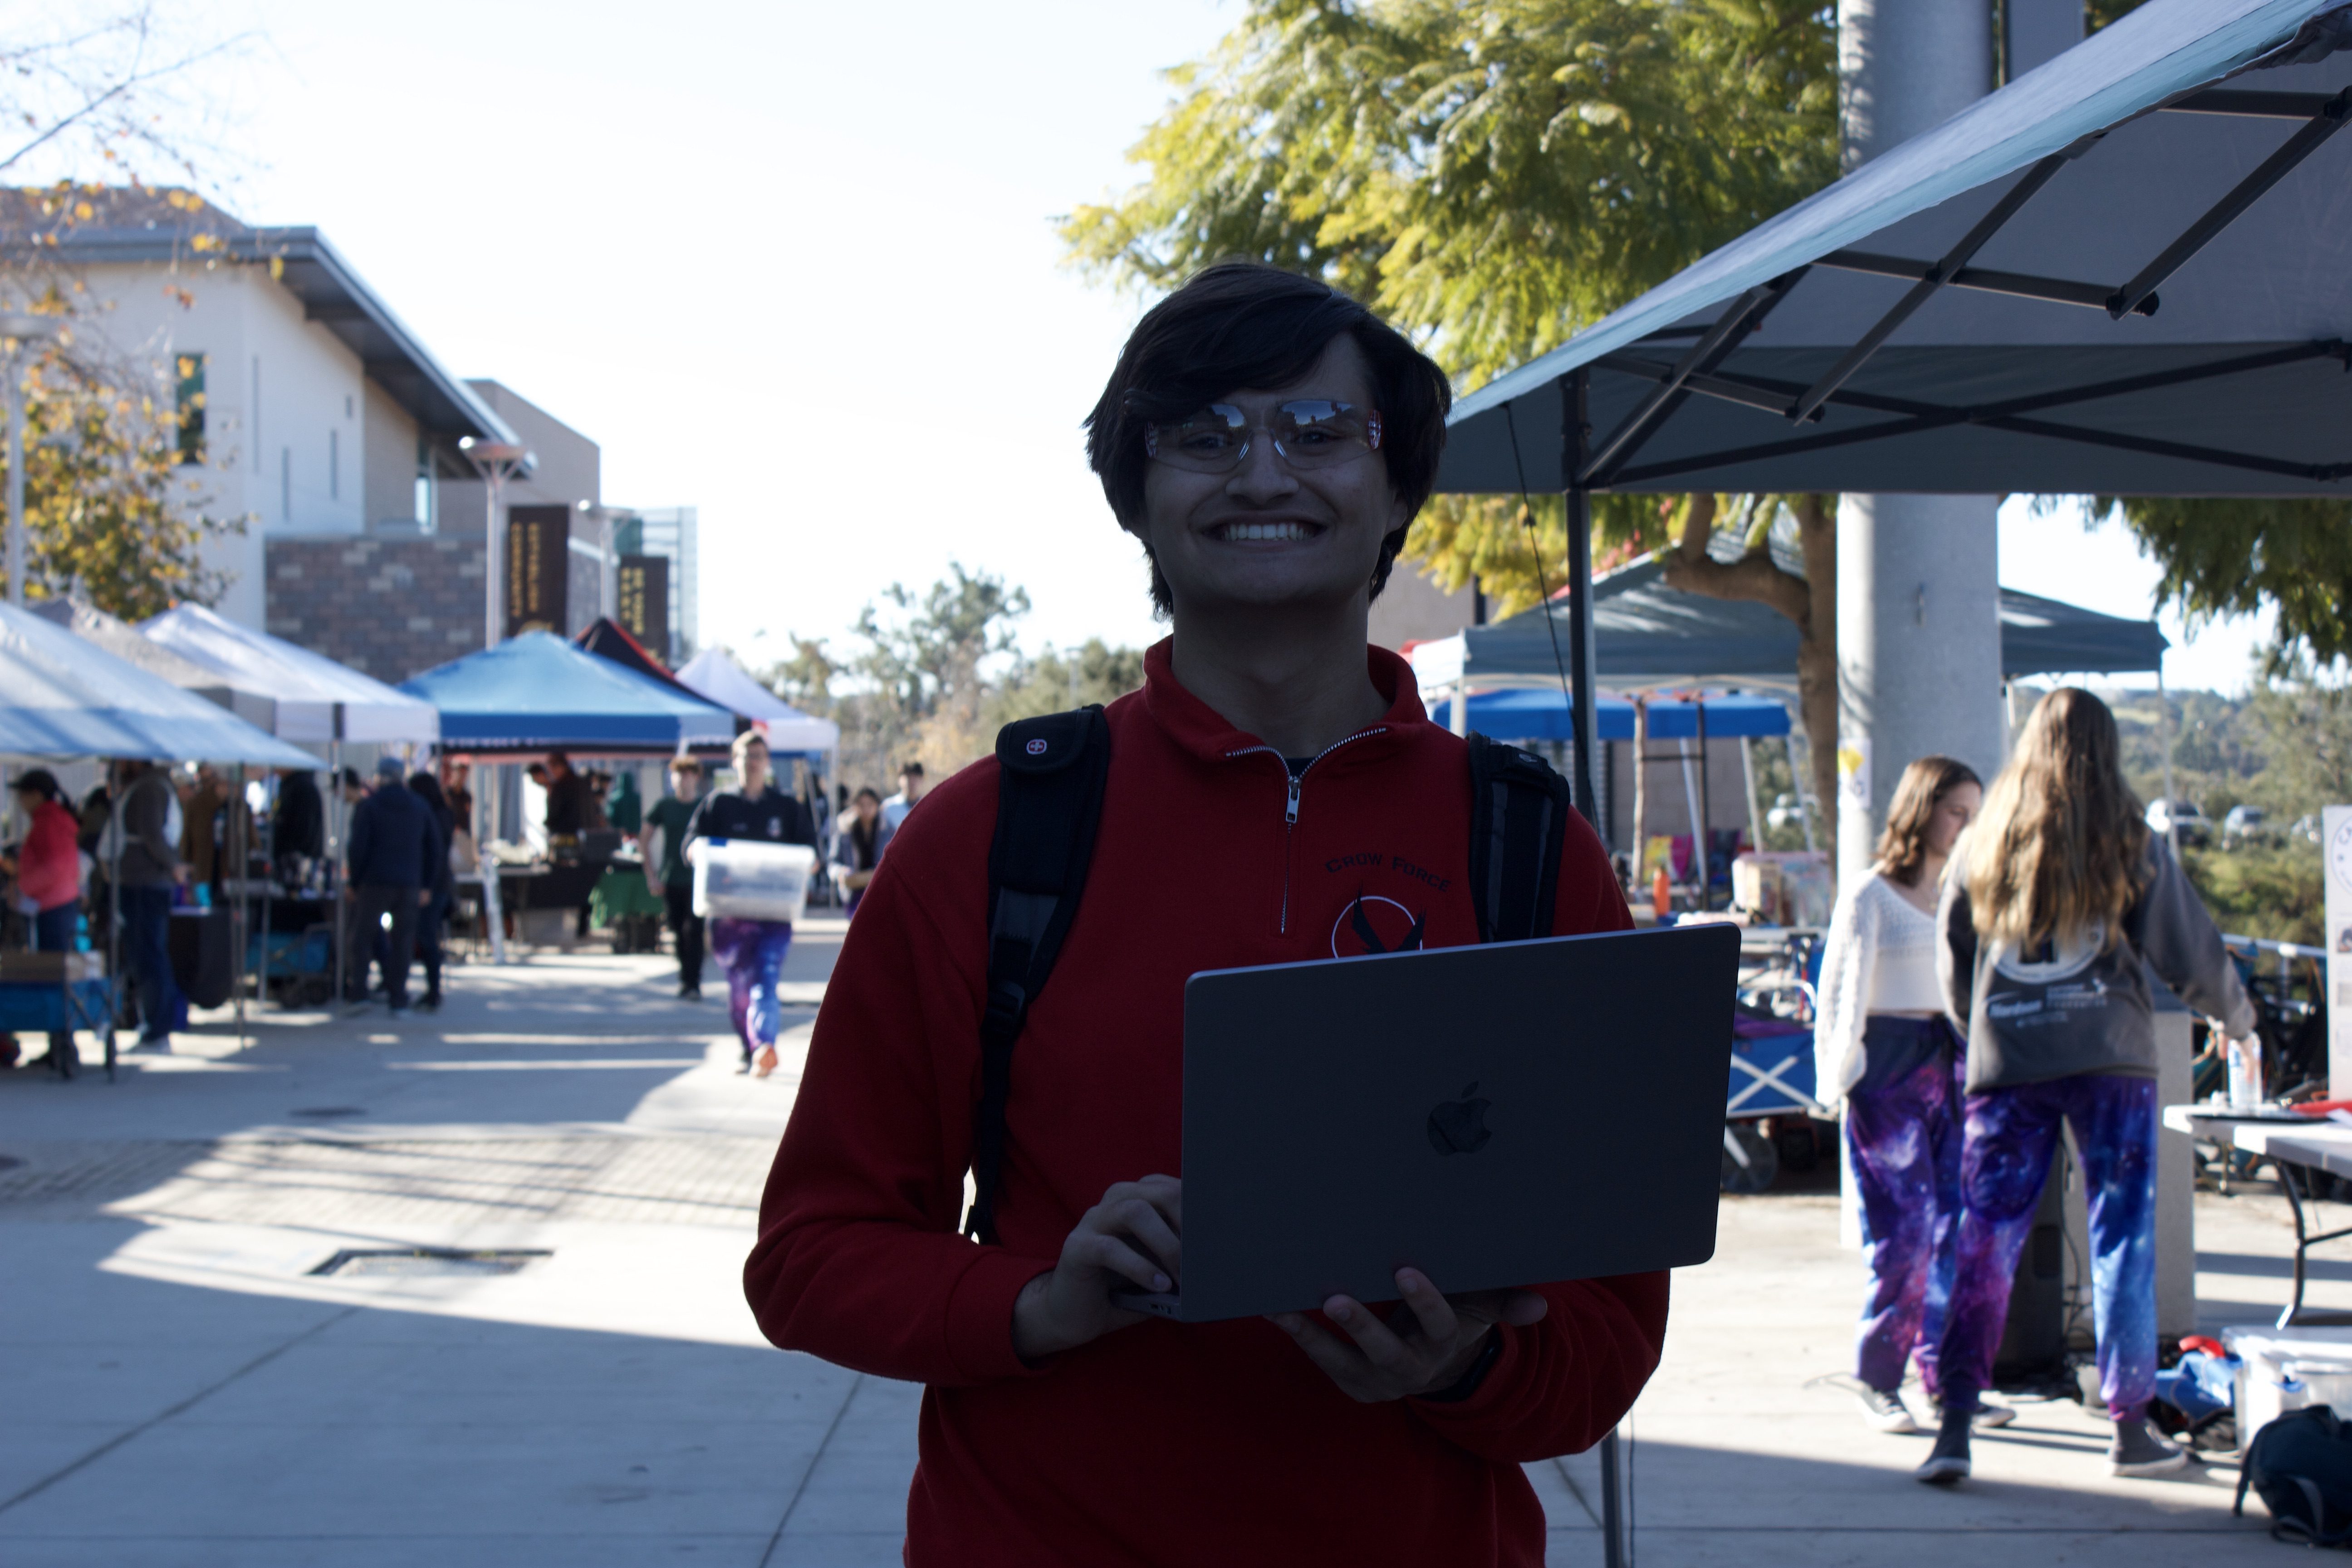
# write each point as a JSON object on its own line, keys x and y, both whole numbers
{"x": 2227, "y": 557}
{"x": 1052, "y": 682}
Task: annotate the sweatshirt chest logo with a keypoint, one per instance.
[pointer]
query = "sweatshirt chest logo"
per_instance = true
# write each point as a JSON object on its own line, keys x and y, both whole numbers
{"x": 1371, "y": 923}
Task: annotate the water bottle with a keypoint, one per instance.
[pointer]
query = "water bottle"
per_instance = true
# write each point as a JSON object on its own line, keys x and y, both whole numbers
{"x": 2245, "y": 1060}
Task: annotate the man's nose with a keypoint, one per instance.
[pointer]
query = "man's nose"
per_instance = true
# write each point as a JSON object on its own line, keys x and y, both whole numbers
{"x": 1260, "y": 476}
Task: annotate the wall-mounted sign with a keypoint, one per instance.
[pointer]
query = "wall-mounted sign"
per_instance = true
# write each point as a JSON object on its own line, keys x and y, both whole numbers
{"x": 539, "y": 568}
{"x": 641, "y": 585}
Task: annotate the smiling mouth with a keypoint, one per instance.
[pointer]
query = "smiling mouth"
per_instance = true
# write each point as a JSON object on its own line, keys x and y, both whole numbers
{"x": 1289, "y": 531}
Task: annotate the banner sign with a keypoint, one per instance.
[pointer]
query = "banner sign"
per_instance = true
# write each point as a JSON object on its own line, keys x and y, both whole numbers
{"x": 642, "y": 594}
{"x": 539, "y": 569}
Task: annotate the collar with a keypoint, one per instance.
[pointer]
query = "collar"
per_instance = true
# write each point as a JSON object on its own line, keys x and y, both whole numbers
{"x": 1204, "y": 732}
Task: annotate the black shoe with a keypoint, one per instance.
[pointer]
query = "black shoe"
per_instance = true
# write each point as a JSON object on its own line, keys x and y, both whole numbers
{"x": 431, "y": 1002}
{"x": 1948, "y": 1462}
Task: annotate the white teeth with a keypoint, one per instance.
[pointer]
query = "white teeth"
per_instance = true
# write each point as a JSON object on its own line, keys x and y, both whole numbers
{"x": 1278, "y": 532}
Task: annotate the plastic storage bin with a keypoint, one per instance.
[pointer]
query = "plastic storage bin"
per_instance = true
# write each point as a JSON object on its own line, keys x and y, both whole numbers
{"x": 2281, "y": 1369}
{"x": 747, "y": 878}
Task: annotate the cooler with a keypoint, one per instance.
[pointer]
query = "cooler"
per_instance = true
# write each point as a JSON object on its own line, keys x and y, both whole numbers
{"x": 2281, "y": 1369}
{"x": 748, "y": 878}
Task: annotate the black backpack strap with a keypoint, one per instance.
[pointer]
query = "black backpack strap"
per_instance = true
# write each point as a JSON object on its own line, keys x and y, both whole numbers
{"x": 1518, "y": 826}
{"x": 1051, "y": 771}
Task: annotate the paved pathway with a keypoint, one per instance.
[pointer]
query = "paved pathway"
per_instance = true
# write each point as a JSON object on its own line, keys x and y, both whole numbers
{"x": 179, "y": 1384}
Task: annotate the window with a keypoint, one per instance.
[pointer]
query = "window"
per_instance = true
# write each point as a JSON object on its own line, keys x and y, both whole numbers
{"x": 427, "y": 493}
{"x": 189, "y": 406}
{"x": 334, "y": 465}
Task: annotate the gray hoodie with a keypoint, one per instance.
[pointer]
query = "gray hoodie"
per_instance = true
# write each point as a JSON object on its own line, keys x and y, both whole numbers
{"x": 2080, "y": 1004}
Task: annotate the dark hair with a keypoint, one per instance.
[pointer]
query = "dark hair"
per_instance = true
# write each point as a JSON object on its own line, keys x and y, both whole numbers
{"x": 1903, "y": 846}
{"x": 559, "y": 759}
{"x": 429, "y": 787}
{"x": 40, "y": 782}
{"x": 349, "y": 779}
{"x": 1244, "y": 325}
{"x": 911, "y": 768}
{"x": 867, "y": 791}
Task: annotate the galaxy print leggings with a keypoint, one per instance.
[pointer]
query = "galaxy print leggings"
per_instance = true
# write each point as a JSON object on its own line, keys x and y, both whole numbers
{"x": 2004, "y": 1162}
{"x": 753, "y": 954}
{"x": 1902, "y": 1148}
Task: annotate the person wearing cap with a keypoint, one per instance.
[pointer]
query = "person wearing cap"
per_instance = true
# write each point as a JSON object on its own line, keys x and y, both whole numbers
{"x": 396, "y": 844}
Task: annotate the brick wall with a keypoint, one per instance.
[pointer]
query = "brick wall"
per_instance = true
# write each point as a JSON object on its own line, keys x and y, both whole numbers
{"x": 389, "y": 607}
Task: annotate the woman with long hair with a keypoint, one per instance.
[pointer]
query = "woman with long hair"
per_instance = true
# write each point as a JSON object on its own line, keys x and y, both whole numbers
{"x": 857, "y": 848}
{"x": 2059, "y": 895}
{"x": 432, "y": 920}
{"x": 1880, "y": 1043}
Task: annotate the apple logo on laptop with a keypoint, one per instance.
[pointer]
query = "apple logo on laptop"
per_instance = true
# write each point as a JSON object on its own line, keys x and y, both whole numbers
{"x": 1459, "y": 1126}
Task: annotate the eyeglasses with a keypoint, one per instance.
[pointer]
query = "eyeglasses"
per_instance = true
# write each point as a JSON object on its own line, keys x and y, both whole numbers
{"x": 1310, "y": 433}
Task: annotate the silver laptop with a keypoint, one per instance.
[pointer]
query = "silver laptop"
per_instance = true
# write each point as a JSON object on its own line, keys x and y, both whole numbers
{"x": 1506, "y": 1114}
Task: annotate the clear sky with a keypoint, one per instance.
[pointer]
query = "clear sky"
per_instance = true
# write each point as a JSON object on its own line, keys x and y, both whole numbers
{"x": 795, "y": 265}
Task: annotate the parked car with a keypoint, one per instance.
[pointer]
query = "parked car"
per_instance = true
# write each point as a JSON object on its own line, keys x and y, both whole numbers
{"x": 2182, "y": 820}
{"x": 2245, "y": 825}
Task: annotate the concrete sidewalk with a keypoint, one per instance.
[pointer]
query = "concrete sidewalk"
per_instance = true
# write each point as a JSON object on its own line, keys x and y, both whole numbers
{"x": 179, "y": 1387}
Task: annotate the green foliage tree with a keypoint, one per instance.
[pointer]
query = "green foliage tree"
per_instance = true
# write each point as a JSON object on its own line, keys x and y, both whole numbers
{"x": 1055, "y": 681}
{"x": 2228, "y": 557}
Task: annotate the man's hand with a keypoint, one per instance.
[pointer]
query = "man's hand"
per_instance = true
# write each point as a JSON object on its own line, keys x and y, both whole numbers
{"x": 1129, "y": 1241}
{"x": 1442, "y": 1336}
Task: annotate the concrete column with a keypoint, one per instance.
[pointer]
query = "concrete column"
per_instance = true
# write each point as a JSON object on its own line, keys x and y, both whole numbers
{"x": 1918, "y": 627}
{"x": 1919, "y": 650}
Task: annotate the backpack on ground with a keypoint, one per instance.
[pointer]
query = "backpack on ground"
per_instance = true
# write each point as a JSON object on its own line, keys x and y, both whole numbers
{"x": 1051, "y": 774}
{"x": 2299, "y": 1465}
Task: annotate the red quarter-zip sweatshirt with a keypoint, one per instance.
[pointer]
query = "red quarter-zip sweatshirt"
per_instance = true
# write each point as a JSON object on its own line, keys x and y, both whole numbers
{"x": 1162, "y": 1443}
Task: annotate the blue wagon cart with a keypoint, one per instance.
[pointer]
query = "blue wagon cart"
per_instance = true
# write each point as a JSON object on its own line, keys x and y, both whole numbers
{"x": 39, "y": 1006}
{"x": 1771, "y": 1075}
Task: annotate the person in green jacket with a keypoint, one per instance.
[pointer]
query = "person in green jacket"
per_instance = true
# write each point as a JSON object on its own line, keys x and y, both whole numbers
{"x": 623, "y": 810}
{"x": 665, "y": 849}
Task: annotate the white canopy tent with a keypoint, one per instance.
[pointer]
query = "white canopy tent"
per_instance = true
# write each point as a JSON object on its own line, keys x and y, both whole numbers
{"x": 123, "y": 640}
{"x": 315, "y": 698}
{"x": 63, "y": 698}
{"x": 714, "y": 676}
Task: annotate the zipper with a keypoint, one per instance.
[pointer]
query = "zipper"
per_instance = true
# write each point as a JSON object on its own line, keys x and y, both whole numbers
{"x": 1292, "y": 784}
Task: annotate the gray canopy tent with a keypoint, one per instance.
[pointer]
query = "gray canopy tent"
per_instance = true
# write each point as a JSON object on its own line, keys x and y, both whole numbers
{"x": 1647, "y": 634}
{"x": 2123, "y": 273}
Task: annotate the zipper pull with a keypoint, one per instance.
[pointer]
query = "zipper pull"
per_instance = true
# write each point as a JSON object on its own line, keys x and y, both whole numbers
{"x": 1290, "y": 806}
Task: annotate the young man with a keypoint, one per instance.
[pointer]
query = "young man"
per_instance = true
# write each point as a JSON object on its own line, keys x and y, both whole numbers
{"x": 396, "y": 855}
{"x": 911, "y": 790}
{"x": 1276, "y": 793}
{"x": 668, "y": 817}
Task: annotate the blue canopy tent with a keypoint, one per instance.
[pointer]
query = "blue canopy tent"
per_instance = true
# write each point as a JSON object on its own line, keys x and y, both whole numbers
{"x": 536, "y": 693}
{"x": 1978, "y": 310}
{"x": 1538, "y": 714}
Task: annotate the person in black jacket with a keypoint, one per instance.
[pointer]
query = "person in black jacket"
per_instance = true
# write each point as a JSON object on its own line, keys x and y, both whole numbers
{"x": 753, "y": 951}
{"x": 396, "y": 844}
{"x": 443, "y": 889}
{"x": 298, "y": 837}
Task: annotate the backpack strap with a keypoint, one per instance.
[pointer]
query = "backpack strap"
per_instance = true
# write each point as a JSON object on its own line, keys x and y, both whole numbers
{"x": 1050, "y": 775}
{"x": 1518, "y": 827}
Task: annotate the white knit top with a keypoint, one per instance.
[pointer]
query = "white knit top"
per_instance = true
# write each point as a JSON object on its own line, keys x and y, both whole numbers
{"x": 1880, "y": 958}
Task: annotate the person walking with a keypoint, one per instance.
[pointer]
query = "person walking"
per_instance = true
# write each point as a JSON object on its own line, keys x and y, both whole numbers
{"x": 432, "y": 920}
{"x": 2059, "y": 895}
{"x": 1881, "y": 1045}
{"x": 395, "y": 845}
{"x": 857, "y": 848}
{"x": 753, "y": 951}
{"x": 667, "y": 821}
{"x": 144, "y": 836}
{"x": 47, "y": 870}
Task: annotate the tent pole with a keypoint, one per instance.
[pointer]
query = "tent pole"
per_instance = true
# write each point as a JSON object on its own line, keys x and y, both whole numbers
{"x": 335, "y": 809}
{"x": 1641, "y": 848}
{"x": 1695, "y": 808}
{"x": 486, "y": 813}
{"x": 1576, "y": 447}
{"x": 1747, "y": 770}
{"x": 240, "y": 855}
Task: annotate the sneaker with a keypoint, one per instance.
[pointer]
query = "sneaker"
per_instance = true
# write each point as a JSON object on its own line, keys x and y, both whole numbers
{"x": 1989, "y": 1415}
{"x": 1948, "y": 1462}
{"x": 1884, "y": 1409}
{"x": 432, "y": 1002}
{"x": 2138, "y": 1451}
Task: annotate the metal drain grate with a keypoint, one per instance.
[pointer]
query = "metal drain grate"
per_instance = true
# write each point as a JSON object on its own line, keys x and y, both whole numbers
{"x": 428, "y": 1260}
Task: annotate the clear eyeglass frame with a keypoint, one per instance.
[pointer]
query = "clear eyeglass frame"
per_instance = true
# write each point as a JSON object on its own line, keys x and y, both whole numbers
{"x": 1307, "y": 432}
